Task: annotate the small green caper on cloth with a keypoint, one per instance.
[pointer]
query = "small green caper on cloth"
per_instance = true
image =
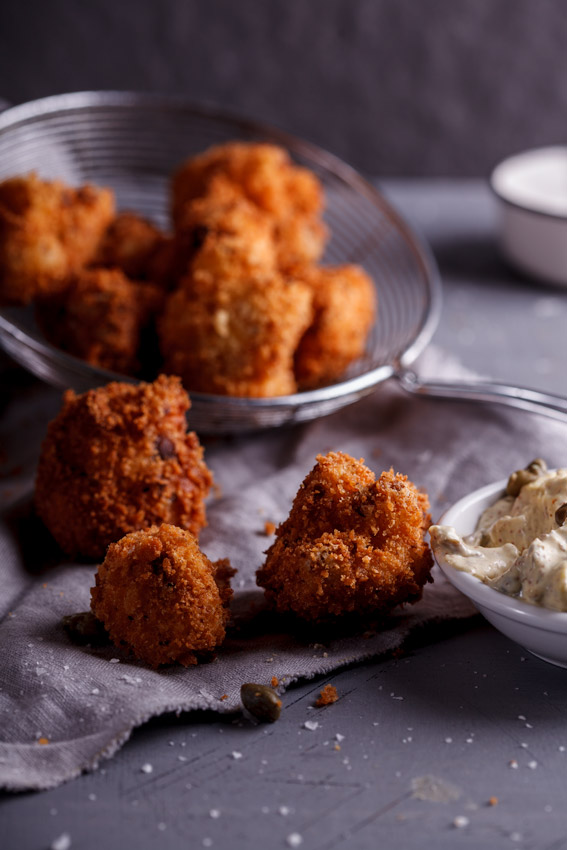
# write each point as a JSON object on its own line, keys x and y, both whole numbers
{"x": 261, "y": 701}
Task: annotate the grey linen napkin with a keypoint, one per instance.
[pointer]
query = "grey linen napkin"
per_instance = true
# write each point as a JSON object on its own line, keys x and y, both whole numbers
{"x": 86, "y": 701}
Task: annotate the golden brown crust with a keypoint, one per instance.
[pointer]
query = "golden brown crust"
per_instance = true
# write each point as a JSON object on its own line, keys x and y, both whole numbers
{"x": 118, "y": 459}
{"x": 48, "y": 232}
{"x": 290, "y": 197}
{"x": 345, "y": 305}
{"x": 130, "y": 243}
{"x": 235, "y": 335}
{"x": 159, "y": 596}
{"x": 103, "y": 318}
{"x": 351, "y": 544}
{"x": 223, "y": 233}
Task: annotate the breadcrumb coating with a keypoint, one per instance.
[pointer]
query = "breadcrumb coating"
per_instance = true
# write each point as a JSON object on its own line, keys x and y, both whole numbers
{"x": 263, "y": 172}
{"x": 351, "y": 544}
{"x": 104, "y": 318}
{"x": 224, "y": 233}
{"x": 48, "y": 232}
{"x": 235, "y": 335}
{"x": 345, "y": 307}
{"x": 117, "y": 459}
{"x": 291, "y": 197}
{"x": 160, "y": 597}
{"x": 130, "y": 244}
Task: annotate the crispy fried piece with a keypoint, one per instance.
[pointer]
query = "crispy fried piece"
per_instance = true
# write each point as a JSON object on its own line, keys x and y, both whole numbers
{"x": 264, "y": 173}
{"x": 164, "y": 266}
{"x": 300, "y": 241}
{"x": 344, "y": 302}
{"x": 48, "y": 232}
{"x": 235, "y": 335}
{"x": 224, "y": 233}
{"x": 130, "y": 243}
{"x": 351, "y": 544}
{"x": 157, "y": 594}
{"x": 104, "y": 318}
{"x": 290, "y": 196}
{"x": 118, "y": 459}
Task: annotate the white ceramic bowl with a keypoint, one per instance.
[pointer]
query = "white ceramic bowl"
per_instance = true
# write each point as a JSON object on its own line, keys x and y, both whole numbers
{"x": 532, "y": 192}
{"x": 540, "y": 631}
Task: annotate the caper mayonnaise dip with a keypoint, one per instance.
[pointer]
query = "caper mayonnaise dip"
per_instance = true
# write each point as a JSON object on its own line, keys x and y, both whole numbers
{"x": 520, "y": 543}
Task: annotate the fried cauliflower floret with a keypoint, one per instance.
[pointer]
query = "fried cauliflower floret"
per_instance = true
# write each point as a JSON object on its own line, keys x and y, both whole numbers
{"x": 103, "y": 318}
{"x": 345, "y": 306}
{"x": 48, "y": 232}
{"x": 351, "y": 544}
{"x": 300, "y": 241}
{"x": 290, "y": 196}
{"x": 118, "y": 459}
{"x": 130, "y": 244}
{"x": 159, "y": 596}
{"x": 235, "y": 335}
{"x": 223, "y": 233}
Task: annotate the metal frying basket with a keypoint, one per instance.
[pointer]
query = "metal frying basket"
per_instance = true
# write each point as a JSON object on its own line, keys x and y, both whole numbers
{"x": 132, "y": 143}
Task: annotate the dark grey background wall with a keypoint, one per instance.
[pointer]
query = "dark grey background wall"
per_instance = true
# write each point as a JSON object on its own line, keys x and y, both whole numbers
{"x": 398, "y": 87}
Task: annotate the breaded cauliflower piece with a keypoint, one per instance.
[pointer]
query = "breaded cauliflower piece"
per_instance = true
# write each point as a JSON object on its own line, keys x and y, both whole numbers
{"x": 224, "y": 233}
{"x": 345, "y": 307}
{"x": 104, "y": 318}
{"x": 159, "y": 596}
{"x": 48, "y": 232}
{"x": 351, "y": 544}
{"x": 117, "y": 459}
{"x": 235, "y": 335}
{"x": 130, "y": 244}
{"x": 290, "y": 196}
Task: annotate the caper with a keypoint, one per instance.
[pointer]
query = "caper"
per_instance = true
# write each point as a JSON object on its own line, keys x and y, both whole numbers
{"x": 537, "y": 466}
{"x": 561, "y": 514}
{"x": 522, "y": 477}
{"x": 262, "y": 702}
{"x": 84, "y": 628}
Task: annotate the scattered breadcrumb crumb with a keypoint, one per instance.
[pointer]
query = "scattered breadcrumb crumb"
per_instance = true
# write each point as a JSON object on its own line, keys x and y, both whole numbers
{"x": 327, "y": 696}
{"x": 493, "y": 801}
{"x": 274, "y": 682}
{"x": 43, "y": 741}
{"x": 224, "y": 696}
{"x": 269, "y": 528}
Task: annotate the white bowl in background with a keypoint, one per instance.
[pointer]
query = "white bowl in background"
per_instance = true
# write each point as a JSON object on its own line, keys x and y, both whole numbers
{"x": 539, "y": 630}
{"x": 532, "y": 191}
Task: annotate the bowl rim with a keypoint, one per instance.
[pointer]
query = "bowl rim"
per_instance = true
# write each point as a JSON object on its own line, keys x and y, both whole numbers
{"x": 484, "y": 596}
{"x": 526, "y": 208}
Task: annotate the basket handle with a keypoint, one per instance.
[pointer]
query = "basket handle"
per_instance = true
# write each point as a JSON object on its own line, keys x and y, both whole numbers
{"x": 535, "y": 401}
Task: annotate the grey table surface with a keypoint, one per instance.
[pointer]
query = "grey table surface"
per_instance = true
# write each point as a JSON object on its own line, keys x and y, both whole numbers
{"x": 475, "y": 710}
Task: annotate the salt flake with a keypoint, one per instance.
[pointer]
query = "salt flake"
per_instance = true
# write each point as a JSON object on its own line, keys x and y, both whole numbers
{"x": 61, "y": 843}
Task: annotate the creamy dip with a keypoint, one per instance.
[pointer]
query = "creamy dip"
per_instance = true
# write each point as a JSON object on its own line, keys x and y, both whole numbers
{"x": 520, "y": 543}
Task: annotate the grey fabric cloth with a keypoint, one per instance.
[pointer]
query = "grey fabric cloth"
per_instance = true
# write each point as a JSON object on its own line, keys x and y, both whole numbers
{"x": 86, "y": 701}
